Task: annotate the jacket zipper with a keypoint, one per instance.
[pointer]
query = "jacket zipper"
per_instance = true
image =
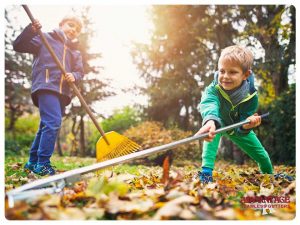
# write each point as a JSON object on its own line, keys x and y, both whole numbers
{"x": 47, "y": 75}
{"x": 225, "y": 95}
{"x": 62, "y": 76}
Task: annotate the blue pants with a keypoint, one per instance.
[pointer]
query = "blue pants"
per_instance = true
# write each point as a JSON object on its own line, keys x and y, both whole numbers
{"x": 51, "y": 110}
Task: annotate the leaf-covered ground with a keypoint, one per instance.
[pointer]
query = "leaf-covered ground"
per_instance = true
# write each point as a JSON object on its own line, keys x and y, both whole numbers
{"x": 137, "y": 192}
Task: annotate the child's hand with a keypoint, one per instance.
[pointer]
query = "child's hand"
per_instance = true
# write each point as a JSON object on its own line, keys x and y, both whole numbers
{"x": 36, "y": 26}
{"x": 255, "y": 120}
{"x": 69, "y": 77}
{"x": 209, "y": 127}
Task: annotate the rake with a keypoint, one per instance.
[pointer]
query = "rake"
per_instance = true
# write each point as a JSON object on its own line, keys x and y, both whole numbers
{"x": 111, "y": 144}
{"x": 56, "y": 183}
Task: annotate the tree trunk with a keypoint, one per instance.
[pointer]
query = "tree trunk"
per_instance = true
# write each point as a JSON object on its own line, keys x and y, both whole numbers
{"x": 225, "y": 148}
{"x": 74, "y": 142}
{"x": 58, "y": 146}
{"x": 12, "y": 121}
{"x": 238, "y": 155}
{"x": 280, "y": 79}
{"x": 82, "y": 138}
{"x": 230, "y": 151}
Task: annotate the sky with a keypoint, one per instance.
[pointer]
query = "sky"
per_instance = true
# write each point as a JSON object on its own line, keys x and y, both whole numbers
{"x": 115, "y": 26}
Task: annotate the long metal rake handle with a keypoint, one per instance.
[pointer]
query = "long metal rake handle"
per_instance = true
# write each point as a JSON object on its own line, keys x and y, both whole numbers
{"x": 72, "y": 85}
{"x": 67, "y": 176}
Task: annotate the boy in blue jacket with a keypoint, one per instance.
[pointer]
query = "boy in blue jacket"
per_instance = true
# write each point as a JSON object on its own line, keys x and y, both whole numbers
{"x": 50, "y": 90}
{"x": 231, "y": 98}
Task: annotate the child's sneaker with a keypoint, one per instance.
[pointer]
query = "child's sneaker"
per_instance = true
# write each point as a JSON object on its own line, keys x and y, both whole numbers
{"x": 30, "y": 166}
{"x": 206, "y": 175}
{"x": 44, "y": 169}
{"x": 283, "y": 176}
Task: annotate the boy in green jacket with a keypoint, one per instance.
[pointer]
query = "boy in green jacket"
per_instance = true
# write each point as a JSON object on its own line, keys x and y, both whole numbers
{"x": 229, "y": 99}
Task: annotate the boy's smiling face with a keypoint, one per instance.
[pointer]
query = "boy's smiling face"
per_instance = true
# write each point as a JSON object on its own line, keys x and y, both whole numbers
{"x": 71, "y": 29}
{"x": 231, "y": 74}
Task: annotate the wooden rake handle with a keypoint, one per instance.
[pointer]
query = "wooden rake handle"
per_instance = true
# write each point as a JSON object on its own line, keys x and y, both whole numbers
{"x": 71, "y": 84}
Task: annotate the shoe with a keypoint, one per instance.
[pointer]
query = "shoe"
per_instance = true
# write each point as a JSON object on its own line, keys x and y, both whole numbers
{"x": 44, "y": 169}
{"x": 30, "y": 166}
{"x": 206, "y": 175}
{"x": 283, "y": 176}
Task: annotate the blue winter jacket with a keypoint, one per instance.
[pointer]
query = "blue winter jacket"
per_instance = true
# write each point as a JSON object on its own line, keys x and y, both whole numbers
{"x": 45, "y": 73}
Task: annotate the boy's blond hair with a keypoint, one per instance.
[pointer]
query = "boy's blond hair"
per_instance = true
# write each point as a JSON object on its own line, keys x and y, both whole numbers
{"x": 71, "y": 18}
{"x": 239, "y": 54}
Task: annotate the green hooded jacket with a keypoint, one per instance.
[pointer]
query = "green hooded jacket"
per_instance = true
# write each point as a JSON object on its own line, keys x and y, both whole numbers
{"x": 216, "y": 105}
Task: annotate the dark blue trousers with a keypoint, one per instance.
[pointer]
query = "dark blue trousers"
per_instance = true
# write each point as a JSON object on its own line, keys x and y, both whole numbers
{"x": 51, "y": 111}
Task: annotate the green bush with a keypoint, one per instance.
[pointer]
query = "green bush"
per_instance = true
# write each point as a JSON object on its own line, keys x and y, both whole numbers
{"x": 92, "y": 138}
{"x": 121, "y": 120}
{"x": 18, "y": 141}
{"x": 278, "y": 133}
{"x": 28, "y": 124}
{"x": 18, "y": 145}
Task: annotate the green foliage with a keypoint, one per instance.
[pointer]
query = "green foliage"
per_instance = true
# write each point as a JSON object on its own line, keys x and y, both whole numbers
{"x": 121, "y": 120}
{"x": 182, "y": 55}
{"x": 184, "y": 49}
{"x": 92, "y": 138}
{"x": 19, "y": 144}
{"x": 19, "y": 141}
{"x": 266, "y": 90}
{"x": 187, "y": 40}
{"x": 274, "y": 29}
{"x": 150, "y": 134}
{"x": 278, "y": 136}
{"x": 16, "y": 176}
{"x": 27, "y": 124}
{"x": 17, "y": 72}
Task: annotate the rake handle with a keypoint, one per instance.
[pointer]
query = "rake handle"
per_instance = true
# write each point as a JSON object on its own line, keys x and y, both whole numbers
{"x": 71, "y": 174}
{"x": 71, "y": 84}
{"x": 236, "y": 125}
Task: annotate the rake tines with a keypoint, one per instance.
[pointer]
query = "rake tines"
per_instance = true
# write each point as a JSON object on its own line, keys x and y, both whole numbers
{"x": 118, "y": 146}
{"x": 125, "y": 148}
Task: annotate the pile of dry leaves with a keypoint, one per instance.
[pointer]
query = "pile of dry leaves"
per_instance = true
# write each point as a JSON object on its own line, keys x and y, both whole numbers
{"x": 112, "y": 196}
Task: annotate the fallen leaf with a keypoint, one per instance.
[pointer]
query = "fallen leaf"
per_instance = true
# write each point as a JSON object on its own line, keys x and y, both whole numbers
{"x": 173, "y": 207}
{"x": 115, "y": 205}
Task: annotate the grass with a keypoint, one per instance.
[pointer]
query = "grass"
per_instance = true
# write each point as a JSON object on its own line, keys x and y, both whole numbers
{"x": 61, "y": 163}
{"x": 16, "y": 176}
{"x": 65, "y": 163}
{"x": 131, "y": 169}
